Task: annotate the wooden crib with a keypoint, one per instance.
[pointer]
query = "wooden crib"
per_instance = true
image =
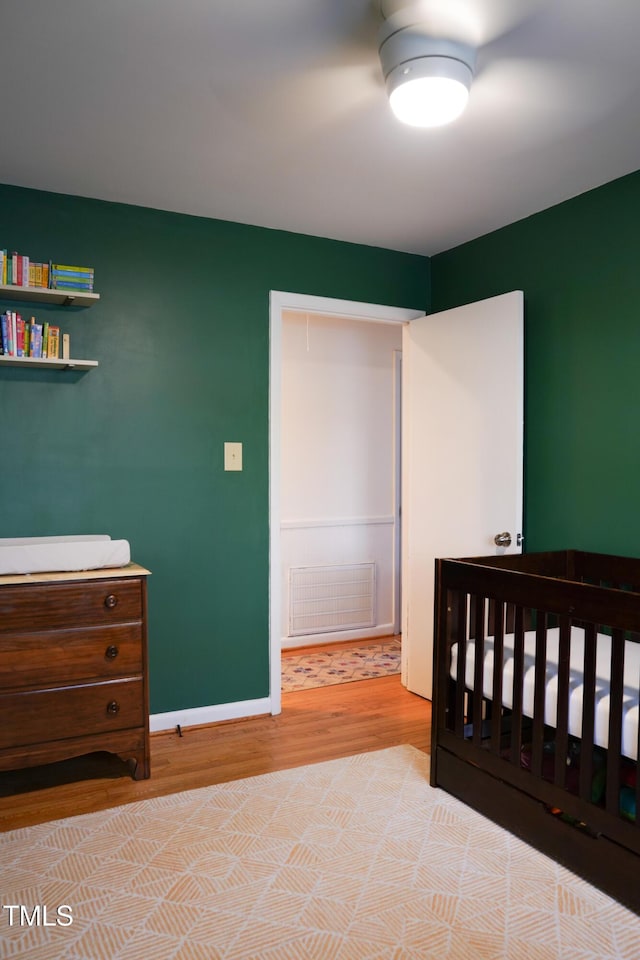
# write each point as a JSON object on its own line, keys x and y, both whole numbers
{"x": 535, "y": 704}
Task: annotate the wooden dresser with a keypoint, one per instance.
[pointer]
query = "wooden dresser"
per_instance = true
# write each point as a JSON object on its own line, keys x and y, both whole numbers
{"x": 73, "y": 667}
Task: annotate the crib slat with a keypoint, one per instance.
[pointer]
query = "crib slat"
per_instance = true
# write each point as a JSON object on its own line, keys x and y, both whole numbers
{"x": 637, "y": 820}
{"x": 562, "y": 720}
{"x": 540, "y": 668}
{"x": 518, "y": 670}
{"x": 478, "y": 670}
{"x": 498, "y": 653}
{"x": 461, "y": 639}
{"x": 588, "y": 711}
{"x": 616, "y": 691}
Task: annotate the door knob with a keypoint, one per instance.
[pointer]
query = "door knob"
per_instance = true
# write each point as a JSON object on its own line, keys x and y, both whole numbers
{"x": 502, "y": 539}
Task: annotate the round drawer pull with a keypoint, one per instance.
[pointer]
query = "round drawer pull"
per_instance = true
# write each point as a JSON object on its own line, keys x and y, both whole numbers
{"x": 110, "y": 602}
{"x": 113, "y": 707}
{"x": 111, "y": 652}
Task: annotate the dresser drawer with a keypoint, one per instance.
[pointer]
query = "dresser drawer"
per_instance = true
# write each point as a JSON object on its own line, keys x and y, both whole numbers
{"x": 46, "y": 606}
{"x": 63, "y": 656}
{"x": 60, "y": 713}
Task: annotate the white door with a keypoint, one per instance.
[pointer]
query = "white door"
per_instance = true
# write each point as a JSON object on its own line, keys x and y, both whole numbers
{"x": 462, "y": 453}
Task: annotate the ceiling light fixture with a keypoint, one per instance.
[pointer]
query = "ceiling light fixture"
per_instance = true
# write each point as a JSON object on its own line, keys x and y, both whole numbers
{"x": 428, "y": 79}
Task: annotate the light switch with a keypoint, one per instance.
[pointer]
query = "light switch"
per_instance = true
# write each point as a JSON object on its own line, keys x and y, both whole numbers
{"x": 233, "y": 456}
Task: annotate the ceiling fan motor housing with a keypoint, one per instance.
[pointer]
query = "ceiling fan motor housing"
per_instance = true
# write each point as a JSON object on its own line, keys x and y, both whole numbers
{"x": 408, "y": 51}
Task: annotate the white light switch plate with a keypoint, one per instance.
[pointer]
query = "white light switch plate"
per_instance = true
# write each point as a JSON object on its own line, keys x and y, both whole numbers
{"x": 233, "y": 456}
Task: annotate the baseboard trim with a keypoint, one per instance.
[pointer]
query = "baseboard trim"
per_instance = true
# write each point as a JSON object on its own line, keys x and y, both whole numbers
{"x": 313, "y": 639}
{"x": 196, "y": 716}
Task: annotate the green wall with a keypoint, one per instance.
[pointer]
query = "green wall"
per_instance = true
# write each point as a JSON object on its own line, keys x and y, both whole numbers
{"x": 578, "y": 264}
{"x": 134, "y": 448}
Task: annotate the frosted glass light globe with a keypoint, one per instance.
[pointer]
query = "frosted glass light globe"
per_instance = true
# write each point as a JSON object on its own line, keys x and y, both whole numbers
{"x": 429, "y": 101}
{"x": 427, "y": 78}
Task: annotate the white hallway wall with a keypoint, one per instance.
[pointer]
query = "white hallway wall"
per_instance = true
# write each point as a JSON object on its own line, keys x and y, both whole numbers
{"x": 337, "y": 483}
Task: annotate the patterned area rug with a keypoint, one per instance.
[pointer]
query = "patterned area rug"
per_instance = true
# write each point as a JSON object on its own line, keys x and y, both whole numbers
{"x": 357, "y": 663}
{"x": 351, "y": 859}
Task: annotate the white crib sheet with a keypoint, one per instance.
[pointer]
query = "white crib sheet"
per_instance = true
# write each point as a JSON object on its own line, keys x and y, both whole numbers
{"x": 576, "y": 663}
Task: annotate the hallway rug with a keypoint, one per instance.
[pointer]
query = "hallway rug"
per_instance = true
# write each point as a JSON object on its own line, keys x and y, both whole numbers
{"x": 307, "y": 670}
{"x": 350, "y": 859}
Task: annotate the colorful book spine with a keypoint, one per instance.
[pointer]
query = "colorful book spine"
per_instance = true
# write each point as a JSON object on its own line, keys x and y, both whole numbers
{"x": 53, "y": 349}
{"x": 80, "y": 281}
{"x": 5, "y": 335}
{"x": 56, "y": 284}
{"x": 22, "y": 338}
{"x": 19, "y": 336}
{"x": 36, "y": 274}
{"x": 60, "y": 268}
{"x": 82, "y": 277}
{"x": 17, "y": 269}
{"x": 68, "y": 277}
{"x": 36, "y": 339}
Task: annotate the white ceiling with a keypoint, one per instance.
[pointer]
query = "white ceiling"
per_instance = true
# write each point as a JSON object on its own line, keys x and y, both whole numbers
{"x": 273, "y": 112}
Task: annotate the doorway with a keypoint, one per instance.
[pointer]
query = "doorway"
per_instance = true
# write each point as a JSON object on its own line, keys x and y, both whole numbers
{"x": 302, "y": 310}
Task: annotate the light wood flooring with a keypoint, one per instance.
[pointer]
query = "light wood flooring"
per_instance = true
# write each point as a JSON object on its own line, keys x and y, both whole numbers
{"x": 315, "y": 725}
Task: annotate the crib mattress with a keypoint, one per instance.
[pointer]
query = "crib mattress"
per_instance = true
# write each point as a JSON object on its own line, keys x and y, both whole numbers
{"x": 576, "y": 682}
{"x": 59, "y": 554}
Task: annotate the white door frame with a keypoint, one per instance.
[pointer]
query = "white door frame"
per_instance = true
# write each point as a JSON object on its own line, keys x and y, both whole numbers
{"x": 280, "y": 301}
{"x": 397, "y": 487}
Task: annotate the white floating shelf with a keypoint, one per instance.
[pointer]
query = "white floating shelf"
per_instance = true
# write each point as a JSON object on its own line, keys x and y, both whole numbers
{"x": 65, "y": 298}
{"x": 57, "y": 364}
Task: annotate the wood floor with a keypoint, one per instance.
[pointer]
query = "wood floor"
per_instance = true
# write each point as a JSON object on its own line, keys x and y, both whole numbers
{"x": 315, "y": 725}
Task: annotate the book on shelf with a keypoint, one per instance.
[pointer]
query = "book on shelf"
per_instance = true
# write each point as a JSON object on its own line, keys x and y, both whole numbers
{"x": 5, "y": 331}
{"x": 19, "y": 338}
{"x": 68, "y": 277}
{"x": 18, "y": 269}
{"x": 65, "y": 268}
{"x": 36, "y": 340}
{"x": 57, "y": 284}
{"x": 38, "y": 274}
{"x": 53, "y": 346}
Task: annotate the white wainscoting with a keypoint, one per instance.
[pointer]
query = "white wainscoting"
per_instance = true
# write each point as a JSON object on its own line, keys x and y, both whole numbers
{"x": 311, "y": 542}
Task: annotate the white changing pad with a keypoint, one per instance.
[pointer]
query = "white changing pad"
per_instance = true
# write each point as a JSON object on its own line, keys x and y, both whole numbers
{"x": 60, "y": 554}
{"x": 576, "y": 665}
